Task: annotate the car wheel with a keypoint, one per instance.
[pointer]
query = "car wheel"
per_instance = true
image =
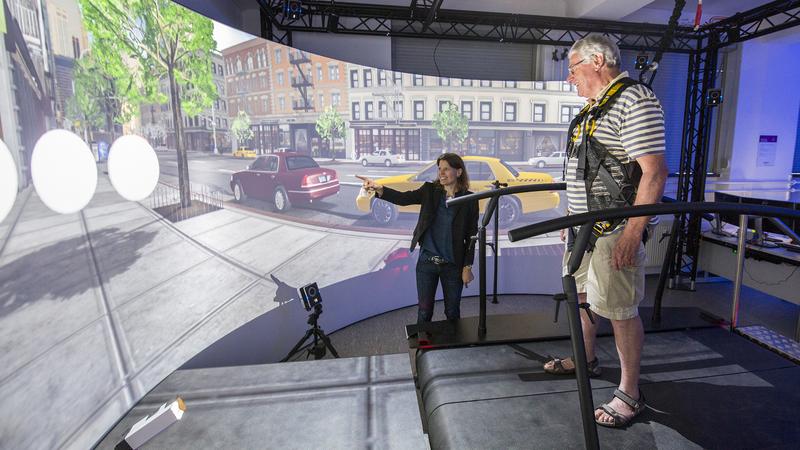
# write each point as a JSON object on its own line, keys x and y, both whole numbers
{"x": 383, "y": 212}
{"x": 540, "y": 164}
{"x": 238, "y": 192}
{"x": 364, "y": 162}
{"x": 508, "y": 210}
{"x": 281, "y": 200}
{"x": 387, "y": 163}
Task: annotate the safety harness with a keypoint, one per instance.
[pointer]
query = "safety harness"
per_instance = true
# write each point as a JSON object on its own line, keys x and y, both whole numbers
{"x": 597, "y": 165}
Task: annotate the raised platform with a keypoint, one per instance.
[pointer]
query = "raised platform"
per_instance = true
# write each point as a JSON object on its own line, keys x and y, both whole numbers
{"x": 504, "y": 328}
{"x": 705, "y": 388}
{"x": 366, "y": 402}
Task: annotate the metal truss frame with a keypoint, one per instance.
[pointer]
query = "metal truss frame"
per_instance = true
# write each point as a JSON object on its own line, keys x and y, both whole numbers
{"x": 694, "y": 156}
{"x": 426, "y": 19}
{"x": 769, "y": 18}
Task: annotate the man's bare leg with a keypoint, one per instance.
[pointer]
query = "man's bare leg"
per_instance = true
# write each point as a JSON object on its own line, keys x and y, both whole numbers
{"x": 629, "y": 337}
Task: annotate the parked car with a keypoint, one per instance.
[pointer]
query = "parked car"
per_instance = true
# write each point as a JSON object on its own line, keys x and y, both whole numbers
{"x": 381, "y": 156}
{"x": 244, "y": 153}
{"x": 482, "y": 171}
{"x": 553, "y": 159}
{"x": 284, "y": 178}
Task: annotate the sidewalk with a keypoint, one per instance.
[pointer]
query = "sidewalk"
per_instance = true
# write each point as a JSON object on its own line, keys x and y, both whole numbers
{"x": 99, "y": 306}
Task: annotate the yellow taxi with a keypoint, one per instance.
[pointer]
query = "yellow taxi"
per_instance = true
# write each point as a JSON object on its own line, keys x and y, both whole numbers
{"x": 482, "y": 172}
{"x": 244, "y": 153}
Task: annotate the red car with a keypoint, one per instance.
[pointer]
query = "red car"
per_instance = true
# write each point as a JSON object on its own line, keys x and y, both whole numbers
{"x": 284, "y": 178}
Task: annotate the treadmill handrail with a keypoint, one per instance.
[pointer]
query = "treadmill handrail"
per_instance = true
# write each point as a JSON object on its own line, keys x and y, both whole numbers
{"x": 507, "y": 190}
{"x": 573, "y": 220}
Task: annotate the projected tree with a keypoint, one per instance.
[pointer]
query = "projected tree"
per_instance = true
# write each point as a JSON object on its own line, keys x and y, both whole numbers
{"x": 104, "y": 95}
{"x": 158, "y": 40}
{"x": 330, "y": 126}
{"x": 240, "y": 128}
{"x": 451, "y": 126}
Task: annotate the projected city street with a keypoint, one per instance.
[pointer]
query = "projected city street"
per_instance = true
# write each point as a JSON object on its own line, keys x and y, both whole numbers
{"x": 214, "y": 171}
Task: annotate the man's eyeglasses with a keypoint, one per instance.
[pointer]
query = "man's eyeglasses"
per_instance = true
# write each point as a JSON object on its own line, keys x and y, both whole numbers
{"x": 571, "y": 67}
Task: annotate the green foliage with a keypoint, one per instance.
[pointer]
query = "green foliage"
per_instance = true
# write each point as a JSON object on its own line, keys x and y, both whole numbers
{"x": 102, "y": 94}
{"x": 240, "y": 128}
{"x": 149, "y": 40}
{"x": 330, "y": 124}
{"x": 155, "y": 40}
{"x": 451, "y": 126}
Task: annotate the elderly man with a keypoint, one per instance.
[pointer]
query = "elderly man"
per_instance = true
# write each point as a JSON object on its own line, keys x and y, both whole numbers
{"x": 616, "y": 157}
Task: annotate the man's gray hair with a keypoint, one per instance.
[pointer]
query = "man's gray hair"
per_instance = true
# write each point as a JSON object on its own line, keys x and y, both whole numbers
{"x": 597, "y": 43}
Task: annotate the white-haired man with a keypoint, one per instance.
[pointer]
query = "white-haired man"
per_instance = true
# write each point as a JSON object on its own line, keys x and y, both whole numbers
{"x": 616, "y": 147}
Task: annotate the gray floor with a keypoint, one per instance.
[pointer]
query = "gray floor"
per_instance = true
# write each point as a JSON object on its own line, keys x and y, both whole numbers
{"x": 347, "y": 403}
{"x": 705, "y": 388}
{"x": 385, "y": 334}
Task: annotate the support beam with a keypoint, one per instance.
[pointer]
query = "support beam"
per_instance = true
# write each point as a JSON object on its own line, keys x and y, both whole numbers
{"x": 437, "y": 23}
{"x": 765, "y": 19}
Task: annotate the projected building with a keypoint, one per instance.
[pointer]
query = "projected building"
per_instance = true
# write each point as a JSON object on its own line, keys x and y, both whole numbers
{"x": 283, "y": 91}
{"x": 507, "y": 119}
{"x": 200, "y": 131}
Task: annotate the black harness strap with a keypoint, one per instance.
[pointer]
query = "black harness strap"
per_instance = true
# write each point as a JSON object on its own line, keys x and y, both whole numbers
{"x": 594, "y": 158}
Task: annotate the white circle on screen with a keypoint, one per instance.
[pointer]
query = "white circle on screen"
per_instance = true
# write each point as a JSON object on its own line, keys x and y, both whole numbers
{"x": 9, "y": 182}
{"x": 64, "y": 171}
{"x": 133, "y": 167}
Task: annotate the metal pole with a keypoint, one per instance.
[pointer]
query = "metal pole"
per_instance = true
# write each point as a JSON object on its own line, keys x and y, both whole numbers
{"x": 737, "y": 286}
{"x": 591, "y": 440}
{"x": 496, "y": 249}
{"x": 214, "y": 127}
{"x": 491, "y": 206}
{"x": 482, "y": 281}
{"x": 579, "y": 247}
{"x": 665, "y": 267}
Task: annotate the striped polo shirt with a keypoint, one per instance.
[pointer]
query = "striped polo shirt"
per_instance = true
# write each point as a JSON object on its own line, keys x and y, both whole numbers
{"x": 632, "y": 128}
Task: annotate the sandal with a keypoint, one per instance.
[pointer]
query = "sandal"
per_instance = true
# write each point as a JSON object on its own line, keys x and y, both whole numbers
{"x": 558, "y": 368}
{"x": 619, "y": 420}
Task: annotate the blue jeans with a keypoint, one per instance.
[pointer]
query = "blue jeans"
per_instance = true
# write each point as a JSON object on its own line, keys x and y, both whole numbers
{"x": 428, "y": 276}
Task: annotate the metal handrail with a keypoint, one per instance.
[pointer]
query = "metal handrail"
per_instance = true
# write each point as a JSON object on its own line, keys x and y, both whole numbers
{"x": 491, "y": 208}
{"x": 573, "y": 220}
{"x": 506, "y": 191}
{"x": 586, "y": 220}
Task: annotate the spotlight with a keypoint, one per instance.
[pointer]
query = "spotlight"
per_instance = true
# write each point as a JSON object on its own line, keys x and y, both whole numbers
{"x": 293, "y": 9}
{"x": 333, "y": 23}
{"x": 714, "y": 97}
{"x": 642, "y": 61}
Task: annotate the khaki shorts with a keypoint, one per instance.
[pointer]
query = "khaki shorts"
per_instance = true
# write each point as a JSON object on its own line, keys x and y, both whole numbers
{"x": 613, "y": 294}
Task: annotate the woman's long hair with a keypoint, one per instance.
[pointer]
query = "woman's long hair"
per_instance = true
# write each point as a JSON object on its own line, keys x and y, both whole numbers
{"x": 455, "y": 161}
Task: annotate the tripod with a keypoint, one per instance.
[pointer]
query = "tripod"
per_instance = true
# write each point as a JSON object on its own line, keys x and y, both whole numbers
{"x": 321, "y": 340}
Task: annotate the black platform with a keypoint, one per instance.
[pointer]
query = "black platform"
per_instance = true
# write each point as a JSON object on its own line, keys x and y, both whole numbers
{"x": 705, "y": 388}
{"x": 505, "y": 328}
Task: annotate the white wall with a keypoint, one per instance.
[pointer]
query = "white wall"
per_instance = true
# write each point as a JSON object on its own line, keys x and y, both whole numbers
{"x": 768, "y": 97}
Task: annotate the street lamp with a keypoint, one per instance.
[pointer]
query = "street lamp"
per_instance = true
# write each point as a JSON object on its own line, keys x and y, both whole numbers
{"x": 214, "y": 125}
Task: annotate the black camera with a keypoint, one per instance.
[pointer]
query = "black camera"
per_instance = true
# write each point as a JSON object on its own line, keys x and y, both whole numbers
{"x": 714, "y": 97}
{"x": 310, "y": 296}
{"x": 642, "y": 62}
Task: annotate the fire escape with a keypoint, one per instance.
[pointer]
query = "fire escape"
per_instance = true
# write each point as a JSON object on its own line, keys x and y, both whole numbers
{"x": 302, "y": 81}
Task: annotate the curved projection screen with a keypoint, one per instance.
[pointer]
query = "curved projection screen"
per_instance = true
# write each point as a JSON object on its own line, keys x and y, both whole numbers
{"x": 257, "y": 149}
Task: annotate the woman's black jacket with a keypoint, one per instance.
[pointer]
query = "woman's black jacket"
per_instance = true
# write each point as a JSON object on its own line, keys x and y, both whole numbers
{"x": 465, "y": 219}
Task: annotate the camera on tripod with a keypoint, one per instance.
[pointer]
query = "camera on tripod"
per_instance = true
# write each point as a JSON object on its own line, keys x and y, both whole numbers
{"x": 310, "y": 296}
{"x": 312, "y": 299}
